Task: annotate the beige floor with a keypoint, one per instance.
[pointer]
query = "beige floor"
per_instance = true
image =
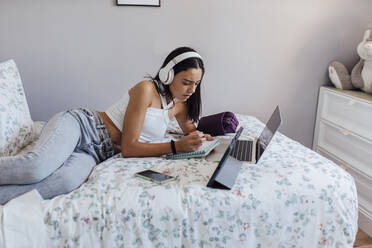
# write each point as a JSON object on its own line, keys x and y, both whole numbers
{"x": 363, "y": 240}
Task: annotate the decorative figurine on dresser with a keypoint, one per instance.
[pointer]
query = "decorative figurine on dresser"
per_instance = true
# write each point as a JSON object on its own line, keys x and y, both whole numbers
{"x": 361, "y": 75}
{"x": 343, "y": 133}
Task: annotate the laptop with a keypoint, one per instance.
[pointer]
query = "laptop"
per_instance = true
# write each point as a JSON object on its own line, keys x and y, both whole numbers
{"x": 238, "y": 151}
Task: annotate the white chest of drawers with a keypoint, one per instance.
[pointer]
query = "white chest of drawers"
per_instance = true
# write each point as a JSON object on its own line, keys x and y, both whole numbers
{"x": 343, "y": 133}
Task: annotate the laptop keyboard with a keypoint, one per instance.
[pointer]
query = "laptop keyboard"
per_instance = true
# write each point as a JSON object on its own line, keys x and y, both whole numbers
{"x": 242, "y": 150}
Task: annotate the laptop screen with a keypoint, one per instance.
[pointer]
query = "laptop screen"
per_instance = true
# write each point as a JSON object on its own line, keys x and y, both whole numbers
{"x": 268, "y": 132}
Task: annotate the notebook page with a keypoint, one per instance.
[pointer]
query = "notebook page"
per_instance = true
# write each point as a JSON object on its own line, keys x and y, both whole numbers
{"x": 205, "y": 145}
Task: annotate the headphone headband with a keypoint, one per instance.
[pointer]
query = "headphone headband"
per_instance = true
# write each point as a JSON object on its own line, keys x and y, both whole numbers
{"x": 166, "y": 73}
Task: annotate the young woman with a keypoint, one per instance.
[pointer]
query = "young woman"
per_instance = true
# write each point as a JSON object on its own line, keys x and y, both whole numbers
{"x": 74, "y": 141}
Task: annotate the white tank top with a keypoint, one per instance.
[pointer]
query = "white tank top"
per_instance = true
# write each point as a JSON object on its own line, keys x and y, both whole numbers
{"x": 155, "y": 123}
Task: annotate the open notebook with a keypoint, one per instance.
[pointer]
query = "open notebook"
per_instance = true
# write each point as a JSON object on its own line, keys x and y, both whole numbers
{"x": 203, "y": 150}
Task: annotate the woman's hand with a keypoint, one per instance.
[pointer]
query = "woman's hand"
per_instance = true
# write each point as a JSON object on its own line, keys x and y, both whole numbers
{"x": 192, "y": 141}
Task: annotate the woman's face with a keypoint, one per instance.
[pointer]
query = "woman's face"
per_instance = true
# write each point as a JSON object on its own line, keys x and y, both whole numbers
{"x": 185, "y": 83}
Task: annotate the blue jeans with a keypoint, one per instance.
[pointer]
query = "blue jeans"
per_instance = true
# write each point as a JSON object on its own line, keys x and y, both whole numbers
{"x": 70, "y": 145}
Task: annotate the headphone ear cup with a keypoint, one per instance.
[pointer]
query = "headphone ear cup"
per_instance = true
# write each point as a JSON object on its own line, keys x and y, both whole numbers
{"x": 163, "y": 75}
{"x": 170, "y": 77}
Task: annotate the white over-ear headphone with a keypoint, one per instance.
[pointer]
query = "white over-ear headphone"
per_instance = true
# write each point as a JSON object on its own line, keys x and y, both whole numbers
{"x": 166, "y": 74}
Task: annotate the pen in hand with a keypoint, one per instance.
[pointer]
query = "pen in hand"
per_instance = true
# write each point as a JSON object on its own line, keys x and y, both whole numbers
{"x": 177, "y": 133}
{"x": 183, "y": 134}
{"x": 203, "y": 136}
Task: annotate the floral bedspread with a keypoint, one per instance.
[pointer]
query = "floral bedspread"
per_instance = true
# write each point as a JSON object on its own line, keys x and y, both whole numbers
{"x": 293, "y": 197}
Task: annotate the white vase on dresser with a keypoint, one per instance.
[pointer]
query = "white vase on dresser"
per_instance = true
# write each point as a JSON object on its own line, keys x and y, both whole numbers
{"x": 343, "y": 133}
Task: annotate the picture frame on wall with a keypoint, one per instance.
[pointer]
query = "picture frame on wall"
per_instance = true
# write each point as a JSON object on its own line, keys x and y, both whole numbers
{"x": 150, "y": 3}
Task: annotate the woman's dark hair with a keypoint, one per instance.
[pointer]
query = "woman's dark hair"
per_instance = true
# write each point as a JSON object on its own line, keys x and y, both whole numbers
{"x": 194, "y": 101}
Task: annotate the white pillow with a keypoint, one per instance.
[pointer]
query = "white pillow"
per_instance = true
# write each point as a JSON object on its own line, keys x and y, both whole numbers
{"x": 15, "y": 118}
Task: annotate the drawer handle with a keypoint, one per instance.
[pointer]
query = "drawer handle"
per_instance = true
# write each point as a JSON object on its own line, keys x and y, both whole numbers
{"x": 351, "y": 102}
{"x": 345, "y": 132}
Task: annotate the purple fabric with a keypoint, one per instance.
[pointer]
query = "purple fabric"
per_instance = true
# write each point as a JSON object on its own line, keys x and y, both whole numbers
{"x": 218, "y": 124}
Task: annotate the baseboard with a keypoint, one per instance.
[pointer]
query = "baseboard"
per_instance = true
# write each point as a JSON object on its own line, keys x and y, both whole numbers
{"x": 365, "y": 221}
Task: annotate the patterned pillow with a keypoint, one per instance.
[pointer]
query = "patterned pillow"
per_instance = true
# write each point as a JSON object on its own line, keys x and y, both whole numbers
{"x": 28, "y": 138}
{"x": 15, "y": 118}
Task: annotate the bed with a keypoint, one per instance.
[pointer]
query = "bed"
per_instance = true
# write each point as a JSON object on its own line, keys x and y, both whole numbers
{"x": 293, "y": 197}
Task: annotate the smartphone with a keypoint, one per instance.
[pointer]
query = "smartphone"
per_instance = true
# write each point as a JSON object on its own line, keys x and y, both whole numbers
{"x": 154, "y": 176}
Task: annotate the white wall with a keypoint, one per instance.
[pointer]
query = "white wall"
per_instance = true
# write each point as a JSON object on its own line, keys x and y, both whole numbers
{"x": 258, "y": 53}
